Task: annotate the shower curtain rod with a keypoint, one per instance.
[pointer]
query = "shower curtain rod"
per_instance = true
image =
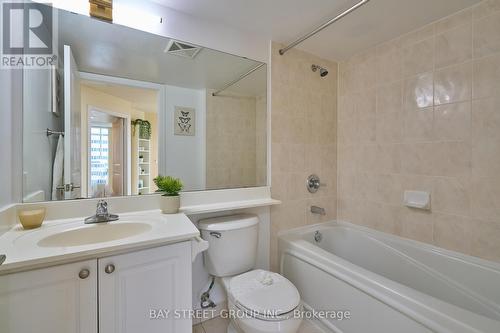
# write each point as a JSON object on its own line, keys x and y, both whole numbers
{"x": 323, "y": 26}
{"x": 237, "y": 80}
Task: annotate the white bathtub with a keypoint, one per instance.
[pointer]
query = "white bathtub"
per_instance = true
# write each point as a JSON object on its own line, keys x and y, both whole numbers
{"x": 390, "y": 284}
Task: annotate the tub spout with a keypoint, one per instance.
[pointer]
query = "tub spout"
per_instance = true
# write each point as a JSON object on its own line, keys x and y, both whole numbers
{"x": 318, "y": 210}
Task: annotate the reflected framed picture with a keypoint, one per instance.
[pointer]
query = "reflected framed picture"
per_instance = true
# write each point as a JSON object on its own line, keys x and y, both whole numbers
{"x": 185, "y": 121}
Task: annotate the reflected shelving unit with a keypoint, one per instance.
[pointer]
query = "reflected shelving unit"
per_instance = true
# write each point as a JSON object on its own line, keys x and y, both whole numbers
{"x": 144, "y": 166}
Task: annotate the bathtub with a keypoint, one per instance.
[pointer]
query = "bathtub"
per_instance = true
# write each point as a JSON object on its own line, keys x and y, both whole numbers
{"x": 387, "y": 283}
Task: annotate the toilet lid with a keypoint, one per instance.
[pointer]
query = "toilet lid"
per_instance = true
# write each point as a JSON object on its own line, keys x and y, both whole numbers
{"x": 265, "y": 293}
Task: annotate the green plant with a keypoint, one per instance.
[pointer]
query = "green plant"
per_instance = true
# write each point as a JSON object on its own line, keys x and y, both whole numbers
{"x": 144, "y": 128}
{"x": 170, "y": 186}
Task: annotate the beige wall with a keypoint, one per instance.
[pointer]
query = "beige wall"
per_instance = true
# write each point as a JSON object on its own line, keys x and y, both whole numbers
{"x": 304, "y": 107}
{"x": 261, "y": 141}
{"x": 231, "y": 141}
{"x": 422, "y": 112}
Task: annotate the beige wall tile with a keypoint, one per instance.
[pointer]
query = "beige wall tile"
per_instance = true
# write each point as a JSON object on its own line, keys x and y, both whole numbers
{"x": 388, "y": 218}
{"x": 348, "y": 210}
{"x": 486, "y": 77}
{"x": 461, "y": 18}
{"x": 416, "y": 158}
{"x": 304, "y": 135}
{"x": 389, "y": 98}
{"x": 450, "y": 232}
{"x": 417, "y": 225}
{"x": 486, "y": 158}
{"x": 486, "y": 37}
{"x": 453, "y": 84}
{"x": 389, "y": 62}
{"x": 420, "y": 112}
{"x": 486, "y": 8}
{"x": 454, "y": 46}
{"x": 418, "y": 58}
{"x": 485, "y": 198}
{"x": 389, "y": 127}
{"x": 486, "y": 119}
{"x": 366, "y": 116}
{"x": 452, "y": 122}
{"x": 389, "y": 189}
{"x": 414, "y": 182}
{"x": 484, "y": 238}
{"x": 231, "y": 154}
{"x": 451, "y": 159}
{"x": 418, "y": 35}
{"x": 451, "y": 195}
{"x": 418, "y": 124}
{"x": 419, "y": 91}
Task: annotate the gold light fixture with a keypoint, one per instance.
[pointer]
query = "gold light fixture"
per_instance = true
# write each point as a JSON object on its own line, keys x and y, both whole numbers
{"x": 101, "y": 9}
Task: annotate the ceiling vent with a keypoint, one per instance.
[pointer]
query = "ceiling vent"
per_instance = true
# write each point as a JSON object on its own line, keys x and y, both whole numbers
{"x": 182, "y": 49}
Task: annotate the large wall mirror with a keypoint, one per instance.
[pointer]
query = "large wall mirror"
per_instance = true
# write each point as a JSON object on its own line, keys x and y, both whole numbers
{"x": 123, "y": 106}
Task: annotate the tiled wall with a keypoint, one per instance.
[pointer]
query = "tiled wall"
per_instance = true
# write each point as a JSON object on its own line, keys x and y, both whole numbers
{"x": 304, "y": 107}
{"x": 231, "y": 141}
{"x": 261, "y": 141}
{"x": 422, "y": 112}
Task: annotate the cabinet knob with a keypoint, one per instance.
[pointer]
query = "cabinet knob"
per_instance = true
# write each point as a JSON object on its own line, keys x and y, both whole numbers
{"x": 84, "y": 273}
{"x": 109, "y": 268}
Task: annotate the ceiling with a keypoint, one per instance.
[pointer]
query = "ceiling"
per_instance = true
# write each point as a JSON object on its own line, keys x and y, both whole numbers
{"x": 115, "y": 50}
{"x": 286, "y": 20}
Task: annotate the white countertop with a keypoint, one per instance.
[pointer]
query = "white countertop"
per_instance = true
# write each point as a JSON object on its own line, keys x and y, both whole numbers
{"x": 24, "y": 252}
{"x": 225, "y": 206}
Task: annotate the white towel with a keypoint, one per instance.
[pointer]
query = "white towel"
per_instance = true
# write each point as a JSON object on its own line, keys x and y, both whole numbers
{"x": 58, "y": 168}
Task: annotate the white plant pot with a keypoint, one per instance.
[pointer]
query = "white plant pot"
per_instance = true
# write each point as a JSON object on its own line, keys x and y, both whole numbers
{"x": 170, "y": 204}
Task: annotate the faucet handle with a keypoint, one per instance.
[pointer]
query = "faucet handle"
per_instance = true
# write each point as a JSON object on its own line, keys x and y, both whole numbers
{"x": 313, "y": 183}
{"x": 102, "y": 208}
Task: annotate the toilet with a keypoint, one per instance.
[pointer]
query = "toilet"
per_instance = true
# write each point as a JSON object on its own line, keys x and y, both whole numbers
{"x": 259, "y": 301}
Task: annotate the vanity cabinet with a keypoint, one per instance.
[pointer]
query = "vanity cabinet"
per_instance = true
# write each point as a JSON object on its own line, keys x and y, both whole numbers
{"x": 116, "y": 294}
{"x": 141, "y": 291}
{"x": 50, "y": 300}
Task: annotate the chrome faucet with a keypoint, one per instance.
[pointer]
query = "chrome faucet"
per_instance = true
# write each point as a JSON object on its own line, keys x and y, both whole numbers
{"x": 101, "y": 214}
{"x": 318, "y": 210}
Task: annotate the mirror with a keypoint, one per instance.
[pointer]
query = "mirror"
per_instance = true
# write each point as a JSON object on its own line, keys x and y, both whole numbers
{"x": 123, "y": 106}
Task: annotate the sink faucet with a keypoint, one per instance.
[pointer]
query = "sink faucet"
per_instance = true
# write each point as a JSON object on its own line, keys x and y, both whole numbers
{"x": 101, "y": 214}
{"x": 318, "y": 210}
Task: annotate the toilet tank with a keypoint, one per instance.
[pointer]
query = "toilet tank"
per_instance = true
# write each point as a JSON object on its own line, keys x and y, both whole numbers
{"x": 232, "y": 243}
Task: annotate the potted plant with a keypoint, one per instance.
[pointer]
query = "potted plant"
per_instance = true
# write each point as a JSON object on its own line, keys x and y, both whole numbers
{"x": 170, "y": 187}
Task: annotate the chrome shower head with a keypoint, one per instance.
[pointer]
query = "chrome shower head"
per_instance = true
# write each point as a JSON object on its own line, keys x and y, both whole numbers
{"x": 322, "y": 71}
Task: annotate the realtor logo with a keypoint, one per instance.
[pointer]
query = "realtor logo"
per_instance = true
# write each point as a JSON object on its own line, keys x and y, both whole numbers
{"x": 27, "y": 35}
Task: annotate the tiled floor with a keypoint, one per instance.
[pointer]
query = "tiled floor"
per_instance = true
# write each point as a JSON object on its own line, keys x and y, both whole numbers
{"x": 219, "y": 325}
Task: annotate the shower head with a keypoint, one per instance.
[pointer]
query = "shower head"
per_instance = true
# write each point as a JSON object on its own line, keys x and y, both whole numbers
{"x": 322, "y": 71}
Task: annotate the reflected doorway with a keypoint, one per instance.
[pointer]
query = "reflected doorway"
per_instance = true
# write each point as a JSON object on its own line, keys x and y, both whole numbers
{"x": 108, "y": 153}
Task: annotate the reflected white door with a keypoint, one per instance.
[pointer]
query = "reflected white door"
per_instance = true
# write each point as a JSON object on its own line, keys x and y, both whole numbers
{"x": 72, "y": 125}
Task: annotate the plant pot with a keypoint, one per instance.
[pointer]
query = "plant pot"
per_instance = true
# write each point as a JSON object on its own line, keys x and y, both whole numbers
{"x": 170, "y": 204}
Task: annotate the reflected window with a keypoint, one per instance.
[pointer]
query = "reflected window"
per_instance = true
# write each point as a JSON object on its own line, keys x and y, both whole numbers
{"x": 99, "y": 157}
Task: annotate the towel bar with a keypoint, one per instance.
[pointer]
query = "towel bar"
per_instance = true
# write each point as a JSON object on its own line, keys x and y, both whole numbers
{"x": 51, "y": 132}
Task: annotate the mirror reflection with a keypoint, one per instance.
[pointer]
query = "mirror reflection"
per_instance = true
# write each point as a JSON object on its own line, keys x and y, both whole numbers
{"x": 123, "y": 106}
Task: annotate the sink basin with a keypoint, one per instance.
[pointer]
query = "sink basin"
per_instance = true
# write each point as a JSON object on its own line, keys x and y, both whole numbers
{"x": 98, "y": 233}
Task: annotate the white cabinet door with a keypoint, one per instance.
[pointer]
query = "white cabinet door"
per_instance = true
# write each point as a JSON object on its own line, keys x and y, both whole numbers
{"x": 50, "y": 300}
{"x": 133, "y": 286}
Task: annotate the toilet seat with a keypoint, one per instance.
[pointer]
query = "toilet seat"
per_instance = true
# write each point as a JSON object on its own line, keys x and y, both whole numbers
{"x": 264, "y": 295}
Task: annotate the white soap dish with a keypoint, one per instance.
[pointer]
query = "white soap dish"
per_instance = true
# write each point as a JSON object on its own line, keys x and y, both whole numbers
{"x": 417, "y": 199}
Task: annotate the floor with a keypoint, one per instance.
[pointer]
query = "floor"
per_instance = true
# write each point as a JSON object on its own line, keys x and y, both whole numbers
{"x": 219, "y": 325}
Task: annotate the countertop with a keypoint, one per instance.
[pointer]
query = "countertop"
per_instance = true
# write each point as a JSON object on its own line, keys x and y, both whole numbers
{"x": 24, "y": 249}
